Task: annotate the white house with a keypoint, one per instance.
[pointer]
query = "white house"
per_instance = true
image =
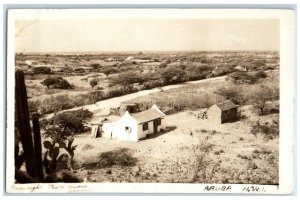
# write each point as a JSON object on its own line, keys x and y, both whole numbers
{"x": 135, "y": 126}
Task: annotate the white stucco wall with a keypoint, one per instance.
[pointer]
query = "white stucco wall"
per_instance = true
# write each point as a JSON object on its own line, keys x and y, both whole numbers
{"x": 127, "y": 121}
{"x": 108, "y": 130}
{"x": 116, "y": 130}
{"x": 214, "y": 114}
{"x": 150, "y": 131}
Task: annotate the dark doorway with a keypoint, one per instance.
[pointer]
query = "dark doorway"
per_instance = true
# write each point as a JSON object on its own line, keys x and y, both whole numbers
{"x": 155, "y": 124}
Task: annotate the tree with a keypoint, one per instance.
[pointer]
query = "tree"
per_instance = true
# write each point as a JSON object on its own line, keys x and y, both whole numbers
{"x": 60, "y": 129}
{"x": 126, "y": 79}
{"x": 67, "y": 123}
{"x": 232, "y": 93}
{"x": 93, "y": 83}
{"x": 172, "y": 75}
{"x": 260, "y": 96}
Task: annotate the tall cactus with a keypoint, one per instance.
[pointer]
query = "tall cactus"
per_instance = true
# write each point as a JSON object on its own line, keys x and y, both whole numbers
{"x": 22, "y": 114}
{"x": 37, "y": 146}
{"x": 32, "y": 150}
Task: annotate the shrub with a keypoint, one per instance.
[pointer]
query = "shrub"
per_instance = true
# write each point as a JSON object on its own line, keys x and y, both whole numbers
{"x": 153, "y": 84}
{"x": 57, "y": 83}
{"x": 33, "y": 106}
{"x": 127, "y": 78}
{"x": 116, "y": 92}
{"x": 260, "y": 74}
{"x": 162, "y": 65}
{"x": 220, "y": 71}
{"x": 268, "y": 130}
{"x": 95, "y": 96}
{"x": 79, "y": 70}
{"x": 120, "y": 157}
{"x": 73, "y": 121}
{"x": 242, "y": 77}
{"x": 171, "y": 75}
{"x": 41, "y": 70}
{"x": 109, "y": 70}
{"x": 233, "y": 93}
{"x": 82, "y": 99}
{"x": 55, "y": 104}
{"x": 96, "y": 66}
{"x": 93, "y": 82}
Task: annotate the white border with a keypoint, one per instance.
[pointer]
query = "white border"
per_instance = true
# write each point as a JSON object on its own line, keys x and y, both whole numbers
{"x": 286, "y": 87}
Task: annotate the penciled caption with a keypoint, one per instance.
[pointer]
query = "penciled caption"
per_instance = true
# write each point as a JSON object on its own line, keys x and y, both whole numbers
{"x": 86, "y": 188}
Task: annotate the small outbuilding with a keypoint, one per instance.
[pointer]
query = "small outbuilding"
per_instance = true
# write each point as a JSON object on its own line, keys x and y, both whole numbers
{"x": 130, "y": 107}
{"x": 220, "y": 113}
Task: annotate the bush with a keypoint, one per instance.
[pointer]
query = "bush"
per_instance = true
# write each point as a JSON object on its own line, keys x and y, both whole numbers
{"x": 268, "y": 130}
{"x": 95, "y": 96}
{"x": 33, "y": 106}
{"x": 260, "y": 74}
{"x": 126, "y": 78}
{"x": 242, "y": 77}
{"x": 153, "y": 84}
{"x": 93, "y": 82}
{"x": 233, "y": 93}
{"x": 55, "y": 104}
{"x": 96, "y": 66}
{"x": 79, "y": 70}
{"x": 109, "y": 70}
{"x": 41, "y": 70}
{"x": 162, "y": 65}
{"x": 74, "y": 121}
{"x": 120, "y": 157}
{"x": 171, "y": 75}
{"x": 57, "y": 83}
{"x": 116, "y": 92}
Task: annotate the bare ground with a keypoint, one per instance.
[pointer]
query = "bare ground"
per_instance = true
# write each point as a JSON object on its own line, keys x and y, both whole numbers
{"x": 191, "y": 151}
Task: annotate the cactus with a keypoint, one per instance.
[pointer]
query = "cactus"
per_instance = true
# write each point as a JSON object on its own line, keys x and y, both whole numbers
{"x": 37, "y": 146}
{"x": 32, "y": 155}
{"x": 52, "y": 152}
{"x": 70, "y": 149}
{"x": 22, "y": 115}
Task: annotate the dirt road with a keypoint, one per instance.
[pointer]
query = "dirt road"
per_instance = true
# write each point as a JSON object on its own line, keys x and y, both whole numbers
{"x": 103, "y": 107}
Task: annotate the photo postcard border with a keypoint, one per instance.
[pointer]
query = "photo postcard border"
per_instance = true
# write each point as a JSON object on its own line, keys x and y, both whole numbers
{"x": 290, "y": 61}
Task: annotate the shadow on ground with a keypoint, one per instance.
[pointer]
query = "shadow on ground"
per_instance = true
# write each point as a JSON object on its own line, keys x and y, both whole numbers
{"x": 166, "y": 130}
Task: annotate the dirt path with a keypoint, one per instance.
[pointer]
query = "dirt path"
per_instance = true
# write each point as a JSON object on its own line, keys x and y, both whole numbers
{"x": 103, "y": 107}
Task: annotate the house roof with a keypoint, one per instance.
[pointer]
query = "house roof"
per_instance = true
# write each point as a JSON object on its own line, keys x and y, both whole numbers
{"x": 226, "y": 105}
{"x": 101, "y": 120}
{"x": 147, "y": 115}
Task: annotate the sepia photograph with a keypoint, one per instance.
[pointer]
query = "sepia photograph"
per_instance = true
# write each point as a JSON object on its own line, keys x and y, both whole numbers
{"x": 150, "y": 100}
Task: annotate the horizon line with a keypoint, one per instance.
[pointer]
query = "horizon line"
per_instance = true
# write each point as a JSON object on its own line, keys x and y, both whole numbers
{"x": 138, "y": 51}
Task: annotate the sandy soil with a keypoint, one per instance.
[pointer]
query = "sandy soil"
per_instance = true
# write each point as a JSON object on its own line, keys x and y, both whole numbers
{"x": 193, "y": 150}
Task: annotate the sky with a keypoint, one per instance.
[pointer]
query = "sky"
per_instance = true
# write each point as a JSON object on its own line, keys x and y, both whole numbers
{"x": 146, "y": 35}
